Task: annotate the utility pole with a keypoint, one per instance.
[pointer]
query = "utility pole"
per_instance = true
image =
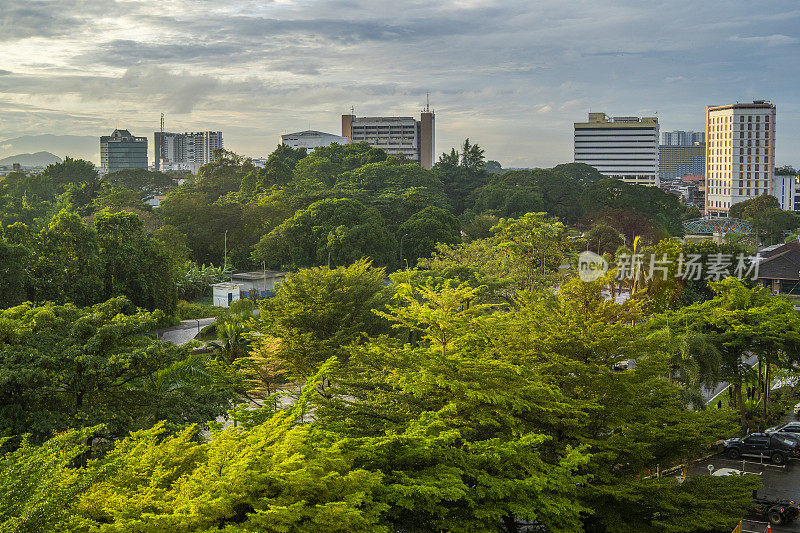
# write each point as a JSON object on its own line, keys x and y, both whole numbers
{"x": 401, "y": 249}
{"x": 225, "y": 257}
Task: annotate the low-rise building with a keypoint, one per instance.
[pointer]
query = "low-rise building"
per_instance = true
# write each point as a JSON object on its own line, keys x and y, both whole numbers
{"x": 258, "y": 283}
{"x": 311, "y": 139}
{"x": 779, "y": 268}
{"x": 225, "y": 293}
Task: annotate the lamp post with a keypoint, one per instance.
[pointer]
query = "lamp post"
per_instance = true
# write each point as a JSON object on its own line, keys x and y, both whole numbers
{"x": 401, "y": 248}
{"x": 225, "y": 256}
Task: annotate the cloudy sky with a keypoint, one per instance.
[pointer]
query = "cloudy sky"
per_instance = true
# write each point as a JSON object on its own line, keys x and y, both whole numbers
{"x": 510, "y": 75}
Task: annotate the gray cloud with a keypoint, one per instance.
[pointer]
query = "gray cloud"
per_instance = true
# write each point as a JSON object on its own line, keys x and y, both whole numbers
{"x": 513, "y": 75}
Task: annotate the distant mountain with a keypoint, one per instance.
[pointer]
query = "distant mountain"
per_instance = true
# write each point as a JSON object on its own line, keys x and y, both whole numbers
{"x": 75, "y": 146}
{"x": 39, "y": 159}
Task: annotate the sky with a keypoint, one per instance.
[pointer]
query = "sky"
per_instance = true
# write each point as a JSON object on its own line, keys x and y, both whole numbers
{"x": 512, "y": 76}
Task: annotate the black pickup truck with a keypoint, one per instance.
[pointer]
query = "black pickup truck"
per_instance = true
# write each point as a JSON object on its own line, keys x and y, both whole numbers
{"x": 777, "y": 512}
{"x": 778, "y": 447}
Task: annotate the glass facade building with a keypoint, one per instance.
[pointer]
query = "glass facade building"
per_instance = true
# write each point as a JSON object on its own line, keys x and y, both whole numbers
{"x": 121, "y": 150}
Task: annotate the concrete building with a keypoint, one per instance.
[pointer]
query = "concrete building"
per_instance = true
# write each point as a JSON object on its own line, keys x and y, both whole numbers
{"x": 311, "y": 139}
{"x": 784, "y": 188}
{"x": 224, "y": 294}
{"x": 186, "y": 151}
{"x": 740, "y": 154}
{"x": 675, "y": 161}
{"x": 121, "y": 150}
{"x": 259, "y": 283}
{"x": 620, "y": 147}
{"x": 682, "y": 138}
{"x": 170, "y": 151}
{"x": 403, "y": 136}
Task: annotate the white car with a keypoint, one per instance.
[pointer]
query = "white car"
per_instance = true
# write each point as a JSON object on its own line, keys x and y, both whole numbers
{"x": 722, "y": 472}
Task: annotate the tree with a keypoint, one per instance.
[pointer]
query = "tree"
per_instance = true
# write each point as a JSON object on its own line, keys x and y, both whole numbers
{"x": 455, "y": 426}
{"x": 317, "y": 313}
{"x": 38, "y": 484}
{"x": 425, "y": 229}
{"x": 461, "y": 173}
{"x": 343, "y": 230}
{"x": 71, "y": 171}
{"x": 67, "y": 367}
{"x": 659, "y": 208}
{"x": 66, "y": 264}
{"x": 516, "y": 192}
{"x": 134, "y": 265}
{"x": 145, "y": 183}
{"x": 13, "y": 276}
{"x": 603, "y": 239}
{"x": 767, "y": 217}
{"x": 276, "y": 475}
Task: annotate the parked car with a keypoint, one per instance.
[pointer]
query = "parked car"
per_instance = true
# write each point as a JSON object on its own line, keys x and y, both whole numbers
{"x": 791, "y": 427}
{"x": 724, "y": 472}
{"x": 779, "y": 447}
{"x": 777, "y": 512}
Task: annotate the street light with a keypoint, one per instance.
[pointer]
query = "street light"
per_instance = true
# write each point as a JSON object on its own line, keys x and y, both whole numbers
{"x": 401, "y": 249}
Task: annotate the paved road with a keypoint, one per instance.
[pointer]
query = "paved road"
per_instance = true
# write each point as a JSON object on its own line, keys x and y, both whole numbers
{"x": 710, "y": 392}
{"x": 186, "y": 331}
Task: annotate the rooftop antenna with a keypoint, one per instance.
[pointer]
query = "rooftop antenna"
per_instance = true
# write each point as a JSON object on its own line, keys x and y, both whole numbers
{"x": 352, "y": 110}
{"x": 161, "y": 145}
{"x": 427, "y": 102}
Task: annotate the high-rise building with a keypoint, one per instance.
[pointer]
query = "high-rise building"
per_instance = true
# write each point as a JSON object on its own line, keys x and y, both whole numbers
{"x": 170, "y": 150}
{"x": 740, "y": 154}
{"x": 678, "y": 161}
{"x": 121, "y": 150}
{"x": 620, "y": 147}
{"x": 682, "y": 138}
{"x": 405, "y": 136}
{"x": 186, "y": 151}
{"x": 311, "y": 139}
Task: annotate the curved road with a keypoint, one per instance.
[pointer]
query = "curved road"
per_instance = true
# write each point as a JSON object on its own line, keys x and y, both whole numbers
{"x": 185, "y": 331}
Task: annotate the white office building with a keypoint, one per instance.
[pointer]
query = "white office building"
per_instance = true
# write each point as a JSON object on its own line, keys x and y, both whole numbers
{"x": 311, "y": 139}
{"x": 625, "y": 148}
{"x": 412, "y": 139}
{"x": 740, "y": 154}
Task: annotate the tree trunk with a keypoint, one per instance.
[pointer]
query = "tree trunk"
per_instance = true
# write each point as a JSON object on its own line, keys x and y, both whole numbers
{"x": 767, "y": 383}
{"x": 739, "y": 401}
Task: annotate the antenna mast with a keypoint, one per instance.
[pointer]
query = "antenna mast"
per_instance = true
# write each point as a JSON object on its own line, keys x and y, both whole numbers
{"x": 427, "y": 102}
{"x": 161, "y": 145}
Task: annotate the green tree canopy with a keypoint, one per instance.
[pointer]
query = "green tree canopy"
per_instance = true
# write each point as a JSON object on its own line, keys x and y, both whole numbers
{"x": 343, "y": 229}
{"x": 64, "y": 367}
{"x": 425, "y": 229}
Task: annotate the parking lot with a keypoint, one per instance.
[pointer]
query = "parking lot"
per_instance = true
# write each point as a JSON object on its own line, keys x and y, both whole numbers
{"x": 779, "y": 482}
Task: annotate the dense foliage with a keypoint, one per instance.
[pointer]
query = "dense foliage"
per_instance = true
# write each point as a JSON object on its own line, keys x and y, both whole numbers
{"x": 431, "y": 362}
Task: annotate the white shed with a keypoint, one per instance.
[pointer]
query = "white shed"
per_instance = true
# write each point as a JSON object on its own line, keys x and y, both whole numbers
{"x": 224, "y": 294}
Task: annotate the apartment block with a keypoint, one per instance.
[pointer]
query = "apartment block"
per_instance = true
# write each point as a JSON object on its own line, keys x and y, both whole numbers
{"x": 740, "y": 154}
{"x": 186, "y": 151}
{"x": 682, "y": 138}
{"x": 676, "y": 161}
